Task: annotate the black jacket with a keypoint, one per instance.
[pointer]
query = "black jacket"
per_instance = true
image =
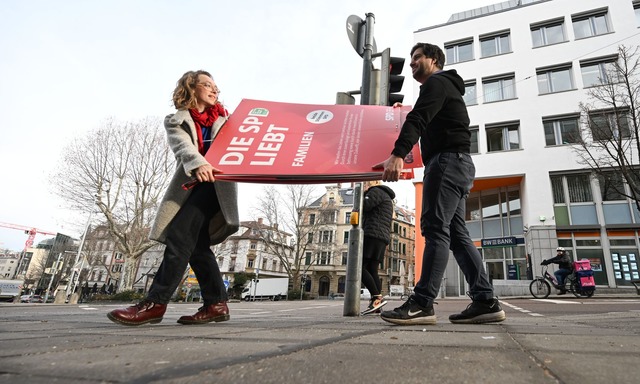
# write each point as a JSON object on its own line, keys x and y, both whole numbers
{"x": 439, "y": 119}
{"x": 563, "y": 261}
{"x": 377, "y": 212}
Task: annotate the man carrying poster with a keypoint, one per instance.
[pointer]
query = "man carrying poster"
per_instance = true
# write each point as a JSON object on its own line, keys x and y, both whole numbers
{"x": 441, "y": 123}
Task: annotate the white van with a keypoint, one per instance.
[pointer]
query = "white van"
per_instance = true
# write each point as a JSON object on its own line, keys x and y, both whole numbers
{"x": 365, "y": 294}
{"x": 9, "y": 289}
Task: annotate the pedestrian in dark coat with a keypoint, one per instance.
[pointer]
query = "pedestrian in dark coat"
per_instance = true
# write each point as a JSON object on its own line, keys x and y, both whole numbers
{"x": 377, "y": 214}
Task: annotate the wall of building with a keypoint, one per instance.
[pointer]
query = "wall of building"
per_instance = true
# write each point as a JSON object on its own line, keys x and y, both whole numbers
{"x": 534, "y": 161}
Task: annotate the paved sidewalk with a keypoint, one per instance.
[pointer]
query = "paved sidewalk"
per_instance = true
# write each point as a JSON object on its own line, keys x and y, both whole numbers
{"x": 311, "y": 342}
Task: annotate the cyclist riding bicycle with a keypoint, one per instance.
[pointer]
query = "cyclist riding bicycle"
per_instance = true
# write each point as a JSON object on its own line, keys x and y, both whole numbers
{"x": 564, "y": 267}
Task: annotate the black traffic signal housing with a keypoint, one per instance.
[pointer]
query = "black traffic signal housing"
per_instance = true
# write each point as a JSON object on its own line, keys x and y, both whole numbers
{"x": 390, "y": 78}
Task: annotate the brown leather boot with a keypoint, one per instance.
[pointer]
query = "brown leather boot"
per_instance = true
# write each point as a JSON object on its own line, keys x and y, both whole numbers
{"x": 206, "y": 314}
{"x": 141, "y": 313}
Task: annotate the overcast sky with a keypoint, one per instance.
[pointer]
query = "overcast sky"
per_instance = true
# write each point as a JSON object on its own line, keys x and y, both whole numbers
{"x": 69, "y": 64}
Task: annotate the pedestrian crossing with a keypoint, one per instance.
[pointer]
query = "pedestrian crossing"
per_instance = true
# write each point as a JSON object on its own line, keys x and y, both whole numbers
{"x": 632, "y": 302}
{"x": 519, "y": 309}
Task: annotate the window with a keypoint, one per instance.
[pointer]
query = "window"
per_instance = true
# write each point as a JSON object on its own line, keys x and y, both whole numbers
{"x": 548, "y": 33}
{"x": 512, "y": 198}
{"x": 253, "y": 245}
{"x": 573, "y": 200}
{"x": 329, "y": 216}
{"x": 503, "y": 138}
{"x": 636, "y": 9}
{"x": 345, "y": 255}
{"x": 558, "y": 192}
{"x": 579, "y": 188}
{"x": 326, "y": 236}
{"x": 472, "y": 211}
{"x": 611, "y": 186}
{"x": 592, "y": 24}
{"x": 496, "y": 89}
{"x": 470, "y": 97}
{"x": 307, "y": 258}
{"x": 312, "y": 219}
{"x": 598, "y": 73}
{"x": 232, "y": 264}
{"x": 346, "y": 237}
{"x": 459, "y": 52}
{"x": 309, "y": 238}
{"x": 495, "y": 44}
{"x": 609, "y": 125}
{"x": 557, "y": 79}
{"x": 561, "y": 131}
{"x": 347, "y": 217}
{"x": 474, "y": 139}
{"x": 325, "y": 258}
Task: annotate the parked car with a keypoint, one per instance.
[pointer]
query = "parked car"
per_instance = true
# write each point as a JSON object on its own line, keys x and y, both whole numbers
{"x": 365, "y": 294}
{"x": 31, "y": 299}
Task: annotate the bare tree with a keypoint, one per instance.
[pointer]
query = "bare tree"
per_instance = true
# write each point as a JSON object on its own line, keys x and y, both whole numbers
{"x": 283, "y": 208}
{"x": 123, "y": 168}
{"x": 611, "y": 145}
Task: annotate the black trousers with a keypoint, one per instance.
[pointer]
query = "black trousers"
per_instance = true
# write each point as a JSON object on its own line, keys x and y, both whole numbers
{"x": 372, "y": 255}
{"x": 448, "y": 177}
{"x": 188, "y": 242}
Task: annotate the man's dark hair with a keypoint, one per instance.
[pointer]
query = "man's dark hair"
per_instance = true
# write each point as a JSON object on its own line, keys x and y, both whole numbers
{"x": 431, "y": 51}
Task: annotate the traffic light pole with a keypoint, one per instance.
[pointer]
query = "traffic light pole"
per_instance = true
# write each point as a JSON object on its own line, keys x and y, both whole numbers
{"x": 367, "y": 62}
{"x": 354, "y": 260}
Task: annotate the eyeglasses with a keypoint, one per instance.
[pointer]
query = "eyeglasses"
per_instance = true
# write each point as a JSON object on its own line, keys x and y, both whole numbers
{"x": 210, "y": 87}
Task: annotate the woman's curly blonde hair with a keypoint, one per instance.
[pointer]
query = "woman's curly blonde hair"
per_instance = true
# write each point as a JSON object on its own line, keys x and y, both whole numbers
{"x": 184, "y": 93}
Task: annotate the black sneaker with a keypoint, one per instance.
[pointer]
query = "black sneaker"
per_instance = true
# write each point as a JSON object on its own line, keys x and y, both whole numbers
{"x": 479, "y": 312}
{"x": 375, "y": 304}
{"x": 410, "y": 313}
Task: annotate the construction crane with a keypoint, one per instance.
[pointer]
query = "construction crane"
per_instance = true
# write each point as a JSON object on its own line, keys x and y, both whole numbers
{"x": 27, "y": 244}
{"x": 28, "y": 231}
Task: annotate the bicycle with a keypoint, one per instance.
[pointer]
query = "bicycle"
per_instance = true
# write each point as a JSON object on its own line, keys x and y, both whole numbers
{"x": 540, "y": 287}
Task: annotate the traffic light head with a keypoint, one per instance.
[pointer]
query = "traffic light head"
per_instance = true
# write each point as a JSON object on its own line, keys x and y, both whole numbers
{"x": 390, "y": 79}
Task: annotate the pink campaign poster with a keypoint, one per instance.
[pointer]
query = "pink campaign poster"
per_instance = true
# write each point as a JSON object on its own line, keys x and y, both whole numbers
{"x": 272, "y": 142}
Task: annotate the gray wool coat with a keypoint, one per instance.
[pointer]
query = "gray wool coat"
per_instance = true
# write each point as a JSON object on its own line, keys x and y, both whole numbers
{"x": 183, "y": 141}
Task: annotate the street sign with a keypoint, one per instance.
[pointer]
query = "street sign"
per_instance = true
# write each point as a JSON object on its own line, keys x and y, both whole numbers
{"x": 356, "y": 33}
{"x": 510, "y": 241}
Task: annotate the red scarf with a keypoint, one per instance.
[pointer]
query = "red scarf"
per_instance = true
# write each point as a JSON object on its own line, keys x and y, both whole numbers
{"x": 206, "y": 118}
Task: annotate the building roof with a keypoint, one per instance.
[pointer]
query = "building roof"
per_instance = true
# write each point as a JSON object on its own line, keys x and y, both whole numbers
{"x": 346, "y": 195}
{"x": 484, "y": 11}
